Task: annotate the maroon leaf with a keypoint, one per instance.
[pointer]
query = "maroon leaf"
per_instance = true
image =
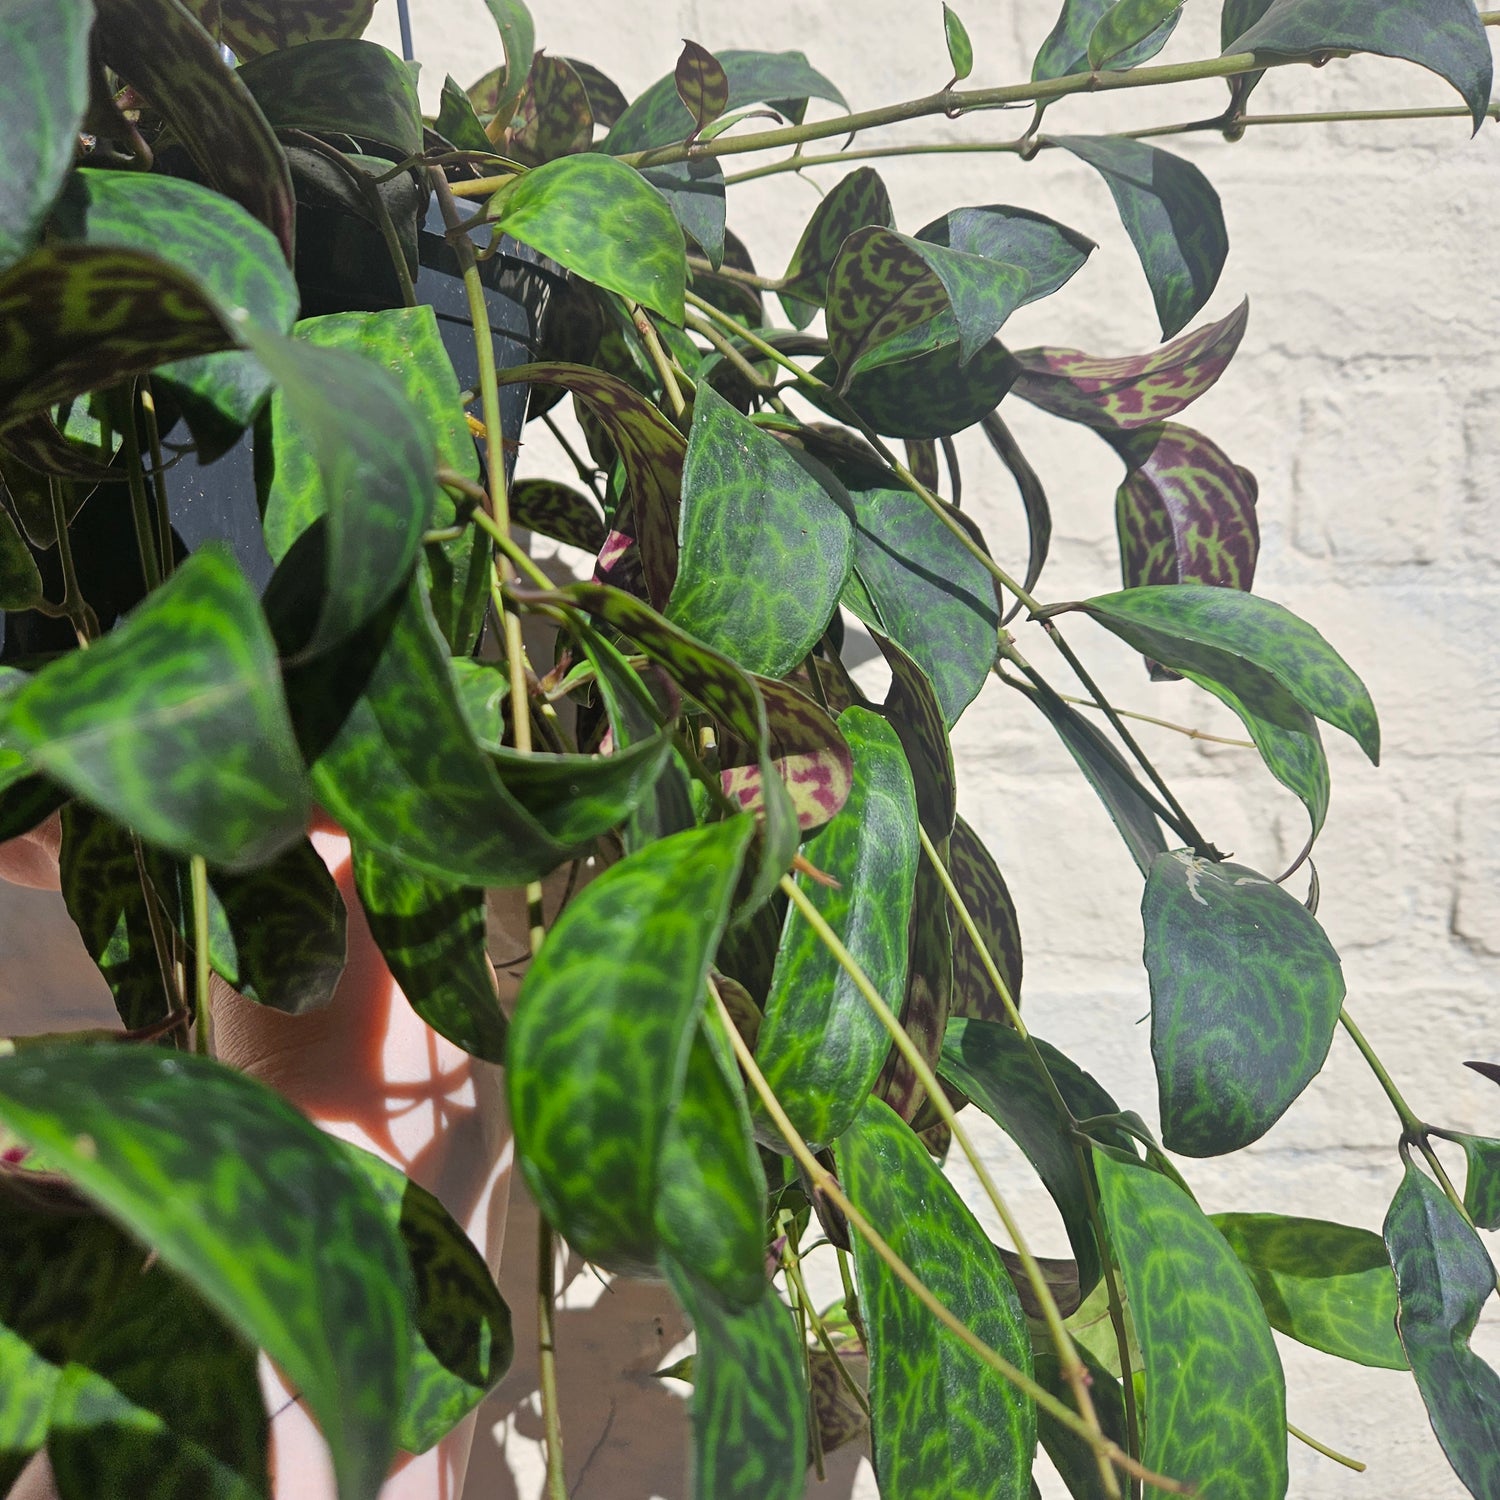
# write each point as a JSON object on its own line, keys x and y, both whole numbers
{"x": 702, "y": 84}
{"x": 553, "y": 117}
{"x": 980, "y": 883}
{"x": 1486, "y": 1070}
{"x": 250, "y": 28}
{"x": 912, "y": 708}
{"x": 559, "y": 511}
{"x": 1135, "y": 391}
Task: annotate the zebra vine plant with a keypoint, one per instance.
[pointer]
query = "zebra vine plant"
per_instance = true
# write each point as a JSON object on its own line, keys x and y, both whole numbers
{"x": 786, "y": 967}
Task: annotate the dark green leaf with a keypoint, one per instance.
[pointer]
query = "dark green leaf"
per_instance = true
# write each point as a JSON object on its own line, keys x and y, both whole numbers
{"x": 694, "y": 191}
{"x": 1326, "y": 1285}
{"x": 1136, "y": 391}
{"x": 983, "y": 889}
{"x": 1000, "y": 1074}
{"x": 405, "y": 776}
{"x": 1184, "y": 513}
{"x": 912, "y": 709}
{"x": 601, "y": 1034}
{"x": 1033, "y": 501}
{"x": 160, "y": 1397}
{"x": 749, "y": 1395}
{"x": 252, "y": 27}
{"x": 1073, "y": 1459}
{"x": 215, "y": 241}
{"x": 251, "y": 1203}
{"x": 518, "y": 37}
{"x": 558, "y": 511}
{"x": 1066, "y": 50}
{"x": 1215, "y": 1409}
{"x": 44, "y": 90}
{"x": 1444, "y": 36}
{"x": 931, "y": 395}
{"x": 960, "y": 48}
{"x": 1171, "y": 213}
{"x": 77, "y": 317}
{"x": 1113, "y": 781}
{"x": 553, "y": 117}
{"x": 175, "y": 722}
{"x": 20, "y": 579}
{"x": 702, "y": 84}
{"x": 944, "y": 1425}
{"x": 600, "y": 219}
{"x": 431, "y": 934}
{"x": 348, "y": 444}
{"x": 1049, "y": 252}
{"x": 457, "y": 122}
{"x": 711, "y": 1188}
{"x": 1443, "y": 1279}
{"x": 1126, "y": 27}
{"x": 821, "y": 1046}
{"x": 923, "y": 588}
{"x": 1235, "y": 19}
{"x": 159, "y": 46}
{"x": 659, "y": 118}
{"x": 63, "y": 1271}
{"x": 461, "y": 1339}
{"x": 1482, "y": 1185}
{"x": 1245, "y": 995}
{"x": 856, "y": 201}
{"x": 766, "y": 546}
{"x": 340, "y": 88}
{"x": 1260, "y": 651}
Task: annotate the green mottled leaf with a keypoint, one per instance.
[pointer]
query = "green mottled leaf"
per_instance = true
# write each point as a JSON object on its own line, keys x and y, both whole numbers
{"x": 601, "y": 1034}
{"x": 1215, "y": 1407}
{"x": 215, "y": 241}
{"x": 553, "y": 117}
{"x": 159, "y": 46}
{"x": 1325, "y": 1285}
{"x": 340, "y": 88}
{"x": 461, "y": 1340}
{"x": 766, "y": 545}
{"x": 821, "y": 1046}
{"x": 1136, "y": 391}
{"x": 858, "y": 200}
{"x": 1114, "y": 783}
{"x": 711, "y": 1188}
{"x": 20, "y": 580}
{"x": 983, "y": 889}
{"x": 253, "y": 1205}
{"x": 1258, "y": 650}
{"x": 1443, "y": 1279}
{"x": 518, "y": 37}
{"x": 1049, "y": 252}
{"x": 931, "y": 395}
{"x": 606, "y": 102}
{"x": 1235, "y": 19}
{"x": 694, "y": 191}
{"x": 997, "y": 1070}
{"x": 74, "y": 318}
{"x": 44, "y": 90}
{"x": 558, "y": 511}
{"x": 457, "y": 122}
{"x": 911, "y": 708}
{"x": 1033, "y": 501}
{"x": 252, "y": 27}
{"x": 1245, "y": 995}
{"x": 1073, "y": 1459}
{"x": 1482, "y": 1185}
{"x": 1171, "y": 213}
{"x": 431, "y": 934}
{"x": 749, "y": 1395}
{"x": 160, "y": 1397}
{"x": 960, "y": 48}
{"x": 650, "y": 448}
{"x": 1444, "y": 36}
{"x": 406, "y": 778}
{"x": 600, "y": 219}
{"x": 1124, "y": 29}
{"x": 923, "y": 588}
{"x": 1066, "y": 50}
{"x": 702, "y": 84}
{"x": 1184, "y": 512}
{"x": 943, "y": 1424}
{"x": 63, "y": 1271}
{"x": 659, "y": 118}
{"x": 347, "y": 444}
{"x": 175, "y": 721}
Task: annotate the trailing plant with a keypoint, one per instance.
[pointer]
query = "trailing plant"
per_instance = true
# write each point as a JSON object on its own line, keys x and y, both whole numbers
{"x": 753, "y": 1036}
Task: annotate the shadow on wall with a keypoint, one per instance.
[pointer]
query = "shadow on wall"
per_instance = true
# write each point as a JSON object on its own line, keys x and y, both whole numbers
{"x": 625, "y": 1432}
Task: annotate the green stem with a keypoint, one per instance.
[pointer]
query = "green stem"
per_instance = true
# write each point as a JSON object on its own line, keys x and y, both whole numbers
{"x": 74, "y": 606}
{"x": 1072, "y": 1366}
{"x": 1411, "y": 1125}
{"x": 824, "y": 1182}
{"x": 851, "y": 1296}
{"x": 1325, "y": 1450}
{"x": 140, "y": 506}
{"x": 201, "y": 985}
{"x": 726, "y": 272}
{"x": 801, "y": 1307}
{"x": 659, "y": 357}
{"x": 158, "y": 477}
{"x": 546, "y": 1296}
{"x": 758, "y": 382}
